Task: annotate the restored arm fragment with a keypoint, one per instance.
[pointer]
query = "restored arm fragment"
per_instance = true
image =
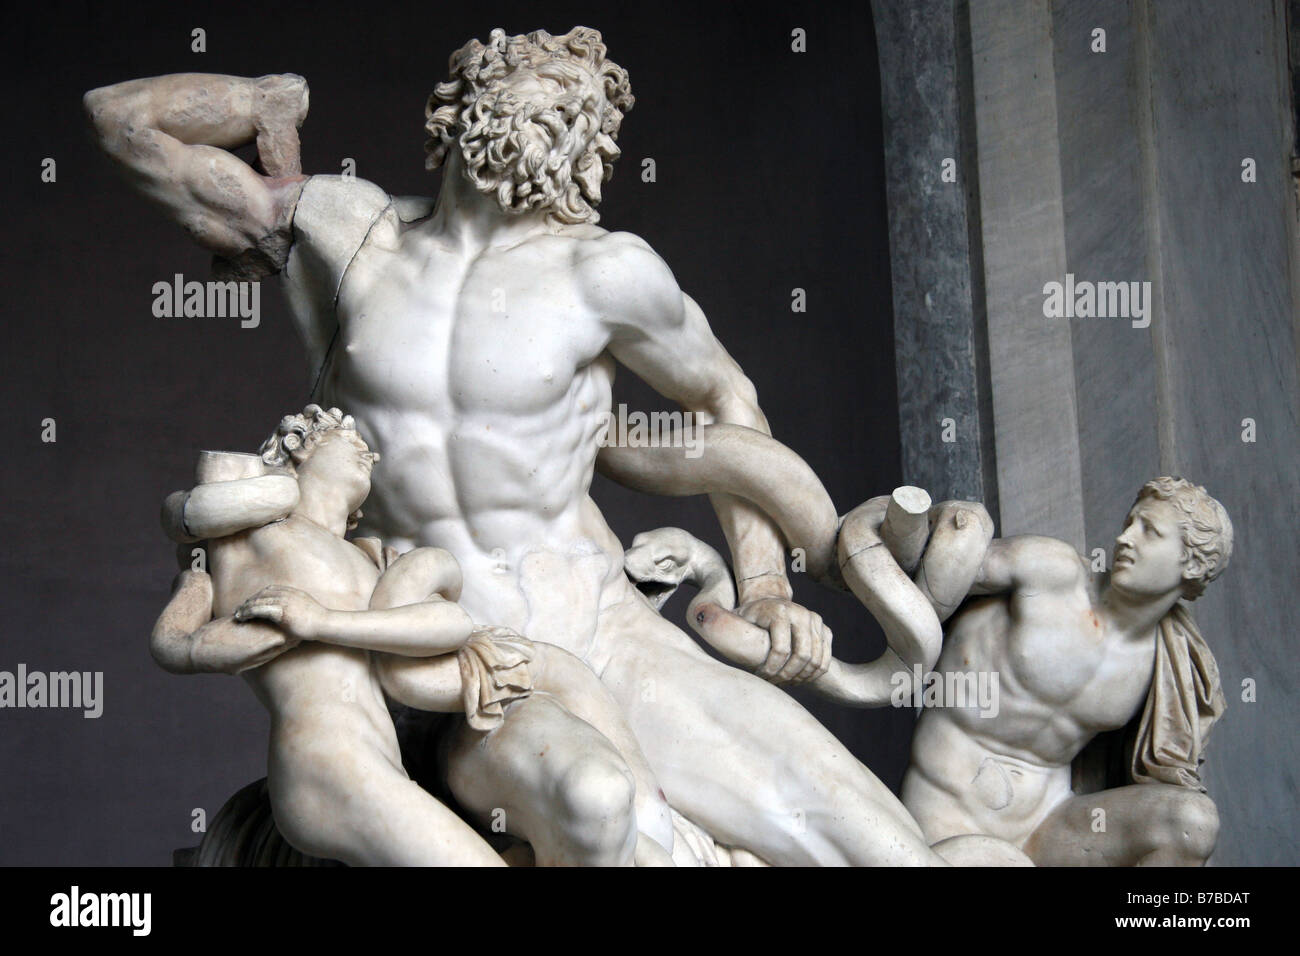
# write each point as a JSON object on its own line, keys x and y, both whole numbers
{"x": 220, "y": 508}
{"x": 944, "y": 543}
{"x": 170, "y": 136}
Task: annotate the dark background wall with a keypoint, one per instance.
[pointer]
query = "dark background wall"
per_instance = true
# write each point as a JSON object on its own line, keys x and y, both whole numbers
{"x": 769, "y": 177}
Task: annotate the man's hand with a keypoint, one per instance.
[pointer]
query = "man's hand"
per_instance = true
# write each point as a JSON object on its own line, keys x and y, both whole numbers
{"x": 294, "y": 612}
{"x": 800, "y": 648}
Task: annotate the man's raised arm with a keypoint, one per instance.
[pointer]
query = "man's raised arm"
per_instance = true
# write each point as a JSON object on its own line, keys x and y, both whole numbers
{"x": 660, "y": 333}
{"x": 170, "y": 136}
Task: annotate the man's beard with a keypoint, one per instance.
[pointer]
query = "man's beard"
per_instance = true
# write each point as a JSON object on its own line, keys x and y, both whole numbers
{"x": 520, "y": 155}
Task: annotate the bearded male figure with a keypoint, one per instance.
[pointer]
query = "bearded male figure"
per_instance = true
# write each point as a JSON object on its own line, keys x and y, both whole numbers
{"x": 476, "y": 340}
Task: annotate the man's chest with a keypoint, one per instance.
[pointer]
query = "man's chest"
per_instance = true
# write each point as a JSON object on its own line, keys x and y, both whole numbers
{"x": 430, "y": 327}
{"x": 1069, "y": 660}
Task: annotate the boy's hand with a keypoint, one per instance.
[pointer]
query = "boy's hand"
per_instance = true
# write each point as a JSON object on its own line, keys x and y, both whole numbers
{"x": 295, "y": 612}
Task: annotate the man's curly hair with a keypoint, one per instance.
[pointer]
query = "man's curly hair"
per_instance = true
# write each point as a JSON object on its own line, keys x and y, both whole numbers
{"x": 521, "y": 155}
{"x": 1206, "y": 530}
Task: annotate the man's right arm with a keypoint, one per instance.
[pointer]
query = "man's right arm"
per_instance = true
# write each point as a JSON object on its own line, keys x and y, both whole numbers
{"x": 170, "y": 136}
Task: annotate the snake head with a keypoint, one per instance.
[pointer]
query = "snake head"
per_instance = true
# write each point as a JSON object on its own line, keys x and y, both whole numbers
{"x": 658, "y": 562}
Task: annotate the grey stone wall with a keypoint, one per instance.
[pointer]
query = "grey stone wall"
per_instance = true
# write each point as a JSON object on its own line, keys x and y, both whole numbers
{"x": 1126, "y": 165}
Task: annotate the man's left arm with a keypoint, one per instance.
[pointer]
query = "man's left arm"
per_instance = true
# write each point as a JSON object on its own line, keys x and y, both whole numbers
{"x": 660, "y": 333}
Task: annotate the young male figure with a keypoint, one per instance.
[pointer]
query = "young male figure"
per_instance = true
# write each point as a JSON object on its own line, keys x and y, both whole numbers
{"x": 322, "y": 628}
{"x": 1073, "y": 662}
{"x": 476, "y": 340}
{"x": 334, "y": 769}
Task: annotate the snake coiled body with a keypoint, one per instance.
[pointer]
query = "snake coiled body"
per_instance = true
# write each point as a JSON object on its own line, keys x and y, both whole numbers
{"x": 853, "y": 552}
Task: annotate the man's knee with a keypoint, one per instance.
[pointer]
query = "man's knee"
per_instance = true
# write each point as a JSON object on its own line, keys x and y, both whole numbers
{"x": 596, "y": 796}
{"x": 1191, "y": 825}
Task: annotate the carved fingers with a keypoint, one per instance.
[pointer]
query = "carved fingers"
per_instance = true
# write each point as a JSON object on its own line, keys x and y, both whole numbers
{"x": 294, "y": 612}
{"x": 800, "y": 642}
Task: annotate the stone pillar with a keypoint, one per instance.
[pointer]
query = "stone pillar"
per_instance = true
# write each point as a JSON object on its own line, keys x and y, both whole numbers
{"x": 939, "y": 330}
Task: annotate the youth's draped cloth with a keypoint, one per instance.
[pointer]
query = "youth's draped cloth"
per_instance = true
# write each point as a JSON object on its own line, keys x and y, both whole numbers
{"x": 1182, "y": 705}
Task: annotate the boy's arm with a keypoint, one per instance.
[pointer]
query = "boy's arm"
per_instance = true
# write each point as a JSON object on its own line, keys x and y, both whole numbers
{"x": 416, "y": 630}
{"x": 411, "y": 611}
{"x": 220, "y": 508}
{"x": 186, "y": 640}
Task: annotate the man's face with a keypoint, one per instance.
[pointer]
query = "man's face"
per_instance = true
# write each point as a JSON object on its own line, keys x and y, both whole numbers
{"x": 1148, "y": 557}
{"x": 535, "y": 133}
{"x": 564, "y": 91}
{"x": 341, "y": 459}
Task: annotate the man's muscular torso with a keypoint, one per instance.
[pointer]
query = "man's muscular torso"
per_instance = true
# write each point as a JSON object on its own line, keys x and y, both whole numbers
{"x": 487, "y": 395}
{"x": 1062, "y": 679}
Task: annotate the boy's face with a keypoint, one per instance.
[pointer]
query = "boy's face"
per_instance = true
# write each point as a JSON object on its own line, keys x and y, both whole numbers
{"x": 341, "y": 458}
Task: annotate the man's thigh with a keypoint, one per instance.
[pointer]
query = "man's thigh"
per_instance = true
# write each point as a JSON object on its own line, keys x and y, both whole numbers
{"x": 1127, "y": 826}
{"x": 738, "y": 755}
{"x": 581, "y": 692}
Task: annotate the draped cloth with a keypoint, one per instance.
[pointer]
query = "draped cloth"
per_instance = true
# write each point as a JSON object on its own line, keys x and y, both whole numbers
{"x": 1182, "y": 705}
{"x": 494, "y": 672}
